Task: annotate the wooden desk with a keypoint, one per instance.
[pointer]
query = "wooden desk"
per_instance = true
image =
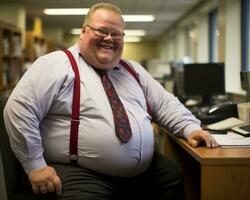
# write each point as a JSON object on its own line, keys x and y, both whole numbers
{"x": 211, "y": 174}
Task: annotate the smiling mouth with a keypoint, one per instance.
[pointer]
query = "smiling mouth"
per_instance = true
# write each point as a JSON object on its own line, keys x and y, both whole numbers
{"x": 105, "y": 46}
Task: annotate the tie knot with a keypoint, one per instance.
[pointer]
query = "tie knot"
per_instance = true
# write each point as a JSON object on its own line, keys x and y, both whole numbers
{"x": 101, "y": 72}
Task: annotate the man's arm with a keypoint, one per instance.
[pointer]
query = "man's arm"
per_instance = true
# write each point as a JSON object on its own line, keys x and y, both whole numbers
{"x": 26, "y": 107}
{"x": 170, "y": 113}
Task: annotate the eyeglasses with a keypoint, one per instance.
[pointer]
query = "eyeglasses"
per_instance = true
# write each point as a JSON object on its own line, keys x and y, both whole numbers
{"x": 100, "y": 32}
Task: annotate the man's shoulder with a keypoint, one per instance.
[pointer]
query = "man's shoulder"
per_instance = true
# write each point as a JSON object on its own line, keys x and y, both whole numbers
{"x": 59, "y": 55}
{"x": 55, "y": 56}
{"x": 134, "y": 65}
{"x": 56, "y": 63}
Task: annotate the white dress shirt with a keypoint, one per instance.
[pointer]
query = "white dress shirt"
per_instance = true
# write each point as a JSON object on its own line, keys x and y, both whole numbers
{"x": 38, "y": 114}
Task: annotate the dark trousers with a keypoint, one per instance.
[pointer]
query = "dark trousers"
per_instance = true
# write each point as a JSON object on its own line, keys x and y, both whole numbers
{"x": 162, "y": 180}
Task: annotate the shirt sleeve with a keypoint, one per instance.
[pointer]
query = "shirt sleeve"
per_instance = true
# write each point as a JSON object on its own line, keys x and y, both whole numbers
{"x": 167, "y": 110}
{"x": 27, "y": 105}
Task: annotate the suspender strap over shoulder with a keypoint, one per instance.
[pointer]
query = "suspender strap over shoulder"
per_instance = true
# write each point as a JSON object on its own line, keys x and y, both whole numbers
{"x": 73, "y": 146}
{"x": 131, "y": 70}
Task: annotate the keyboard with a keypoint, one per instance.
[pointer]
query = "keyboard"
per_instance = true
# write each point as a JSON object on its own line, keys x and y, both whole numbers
{"x": 243, "y": 130}
{"x": 246, "y": 128}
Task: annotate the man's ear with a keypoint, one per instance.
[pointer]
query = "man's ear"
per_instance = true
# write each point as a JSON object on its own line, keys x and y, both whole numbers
{"x": 83, "y": 29}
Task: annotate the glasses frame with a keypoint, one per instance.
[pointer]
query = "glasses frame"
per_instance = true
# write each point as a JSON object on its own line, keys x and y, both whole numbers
{"x": 101, "y": 32}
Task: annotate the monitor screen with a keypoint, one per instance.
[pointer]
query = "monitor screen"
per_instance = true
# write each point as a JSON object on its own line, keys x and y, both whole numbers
{"x": 205, "y": 79}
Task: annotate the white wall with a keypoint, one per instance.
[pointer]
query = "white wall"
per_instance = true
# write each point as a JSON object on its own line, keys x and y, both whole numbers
{"x": 167, "y": 47}
{"x": 181, "y": 42}
{"x": 163, "y": 51}
{"x": 233, "y": 46}
{"x": 171, "y": 48}
{"x": 202, "y": 37}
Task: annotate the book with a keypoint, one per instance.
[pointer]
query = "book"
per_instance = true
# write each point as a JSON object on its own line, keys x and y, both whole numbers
{"x": 232, "y": 140}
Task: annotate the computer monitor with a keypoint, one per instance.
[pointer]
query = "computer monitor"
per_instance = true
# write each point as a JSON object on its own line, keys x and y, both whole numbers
{"x": 204, "y": 79}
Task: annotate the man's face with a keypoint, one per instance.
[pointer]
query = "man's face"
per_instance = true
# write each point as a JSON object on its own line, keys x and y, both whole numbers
{"x": 102, "y": 52}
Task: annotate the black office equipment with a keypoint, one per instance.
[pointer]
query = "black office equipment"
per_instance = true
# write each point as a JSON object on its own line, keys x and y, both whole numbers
{"x": 217, "y": 112}
{"x": 204, "y": 79}
{"x": 246, "y": 128}
{"x": 226, "y": 109}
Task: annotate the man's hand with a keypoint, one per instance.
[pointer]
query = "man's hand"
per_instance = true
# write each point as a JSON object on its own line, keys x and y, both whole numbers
{"x": 196, "y": 139}
{"x": 45, "y": 181}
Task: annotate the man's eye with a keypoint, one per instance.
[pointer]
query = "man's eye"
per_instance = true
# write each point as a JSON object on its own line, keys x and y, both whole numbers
{"x": 114, "y": 34}
{"x": 103, "y": 32}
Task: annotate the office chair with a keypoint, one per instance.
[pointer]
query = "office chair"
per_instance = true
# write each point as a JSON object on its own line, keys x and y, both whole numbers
{"x": 8, "y": 161}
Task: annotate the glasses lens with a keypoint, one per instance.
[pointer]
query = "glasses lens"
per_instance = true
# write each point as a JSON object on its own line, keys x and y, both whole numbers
{"x": 116, "y": 35}
{"x": 101, "y": 32}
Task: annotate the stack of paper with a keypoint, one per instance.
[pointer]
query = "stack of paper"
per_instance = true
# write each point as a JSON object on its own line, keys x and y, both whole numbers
{"x": 232, "y": 140}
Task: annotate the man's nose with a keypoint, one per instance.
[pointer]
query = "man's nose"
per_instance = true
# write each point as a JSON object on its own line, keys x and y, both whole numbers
{"x": 108, "y": 36}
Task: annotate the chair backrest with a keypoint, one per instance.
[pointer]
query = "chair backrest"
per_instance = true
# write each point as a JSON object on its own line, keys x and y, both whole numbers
{"x": 8, "y": 160}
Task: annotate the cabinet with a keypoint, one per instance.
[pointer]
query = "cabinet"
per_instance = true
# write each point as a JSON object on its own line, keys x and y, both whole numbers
{"x": 11, "y": 58}
{"x": 217, "y": 174}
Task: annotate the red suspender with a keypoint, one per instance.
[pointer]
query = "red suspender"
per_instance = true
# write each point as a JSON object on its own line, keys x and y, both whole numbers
{"x": 73, "y": 145}
{"x": 131, "y": 70}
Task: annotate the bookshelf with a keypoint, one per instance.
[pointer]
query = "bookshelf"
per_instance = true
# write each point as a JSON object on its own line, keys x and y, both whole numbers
{"x": 36, "y": 46}
{"x": 11, "y": 58}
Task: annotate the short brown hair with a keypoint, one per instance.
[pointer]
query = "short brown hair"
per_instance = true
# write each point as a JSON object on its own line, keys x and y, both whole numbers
{"x": 107, "y": 6}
